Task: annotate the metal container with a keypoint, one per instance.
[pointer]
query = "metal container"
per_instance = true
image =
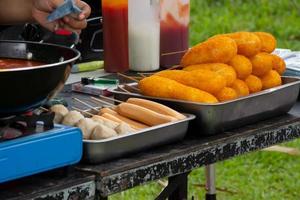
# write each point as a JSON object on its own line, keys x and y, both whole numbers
{"x": 96, "y": 151}
{"x": 215, "y": 118}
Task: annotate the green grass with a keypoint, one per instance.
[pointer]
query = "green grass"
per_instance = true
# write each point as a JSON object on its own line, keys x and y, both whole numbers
{"x": 279, "y": 17}
{"x": 259, "y": 175}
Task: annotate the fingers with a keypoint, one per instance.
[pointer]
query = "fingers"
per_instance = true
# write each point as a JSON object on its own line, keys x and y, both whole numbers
{"x": 74, "y": 23}
{"x": 65, "y": 26}
{"x": 86, "y": 10}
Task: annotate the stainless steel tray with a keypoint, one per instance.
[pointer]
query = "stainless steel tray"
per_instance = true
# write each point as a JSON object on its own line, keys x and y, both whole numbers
{"x": 216, "y": 118}
{"x": 96, "y": 151}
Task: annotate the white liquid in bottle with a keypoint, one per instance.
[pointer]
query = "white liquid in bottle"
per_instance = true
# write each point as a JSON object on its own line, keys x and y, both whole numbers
{"x": 143, "y": 35}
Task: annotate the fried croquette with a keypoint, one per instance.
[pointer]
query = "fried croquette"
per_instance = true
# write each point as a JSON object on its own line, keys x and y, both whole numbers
{"x": 268, "y": 41}
{"x": 215, "y": 50}
{"x": 248, "y": 43}
{"x": 254, "y": 83}
{"x": 271, "y": 79}
{"x": 222, "y": 69}
{"x": 262, "y": 63}
{"x": 241, "y": 65}
{"x": 227, "y": 94}
{"x": 202, "y": 79}
{"x": 278, "y": 64}
{"x": 240, "y": 87}
{"x": 157, "y": 86}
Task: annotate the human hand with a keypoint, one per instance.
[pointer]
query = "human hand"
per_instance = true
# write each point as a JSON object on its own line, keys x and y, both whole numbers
{"x": 73, "y": 22}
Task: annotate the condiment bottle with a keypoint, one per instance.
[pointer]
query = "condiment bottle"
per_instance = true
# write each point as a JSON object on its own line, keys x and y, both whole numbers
{"x": 174, "y": 31}
{"x": 143, "y": 34}
{"x": 115, "y": 35}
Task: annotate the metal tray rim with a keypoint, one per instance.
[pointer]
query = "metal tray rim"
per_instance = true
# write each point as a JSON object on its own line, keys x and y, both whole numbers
{"x": 264, "y": 92}
{"x": 189, "y": 117}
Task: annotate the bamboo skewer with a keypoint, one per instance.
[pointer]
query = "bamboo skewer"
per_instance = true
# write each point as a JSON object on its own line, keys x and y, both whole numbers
{"x": 132, "y": 88}
{"x": 103, "y": 102}
{"x": 111, "y": 99}
{"x": 86, "y": 104}
{"x": 128, "y": 77}
{"x": 142, "y": 75}
{"x": 123, "y": 89}
{"x": 174, "y": 67}
{"x": 173, "y": 53}
{"x": 44, "y": 109}
{"x": 82, "y": 111}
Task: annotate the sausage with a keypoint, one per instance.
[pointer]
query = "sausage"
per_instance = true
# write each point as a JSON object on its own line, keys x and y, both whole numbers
{"x": 105, "y": 121}
{"x": 156, "y": 107}
{"x": 107, "y": 110}
{"x": 143, "y": 115}
{"x": 132, "y": 123}
{"x": 113, "y": 118}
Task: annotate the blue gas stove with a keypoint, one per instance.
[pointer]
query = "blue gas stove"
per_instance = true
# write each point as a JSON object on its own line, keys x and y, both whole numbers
{"x": 26, "y": 151}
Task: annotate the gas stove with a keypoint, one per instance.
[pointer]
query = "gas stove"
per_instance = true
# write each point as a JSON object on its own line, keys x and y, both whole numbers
{"x": 31, "y": 143}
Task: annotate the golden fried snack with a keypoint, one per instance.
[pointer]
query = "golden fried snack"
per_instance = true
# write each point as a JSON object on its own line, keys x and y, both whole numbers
{"x": 157, "y": 86}
{"x": 271, "y": 79}
{"x": 248, "y": 43}
{"x": 241, "y": 65}
{"x": 262, "y": 63}
{"x": 202, "y": 79}
{"x": 222, "y": 69}
{"x": 278, "y": 64}
{"x": 219, "y": 49}
{"x": 254, "y": 83}
{"x": 240, "y": 87}
{"x": 227, "y": 94}
{"x": 268, "y": 41}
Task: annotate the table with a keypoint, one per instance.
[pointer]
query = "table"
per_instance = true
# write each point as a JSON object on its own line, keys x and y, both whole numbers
{"x": 174, "y": 161}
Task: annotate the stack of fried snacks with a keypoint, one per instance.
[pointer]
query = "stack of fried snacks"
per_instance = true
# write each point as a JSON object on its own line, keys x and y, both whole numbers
{"x": 224, "y": 67}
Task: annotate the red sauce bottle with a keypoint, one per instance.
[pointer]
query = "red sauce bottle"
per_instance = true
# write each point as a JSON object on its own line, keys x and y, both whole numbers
{"x": 174, "y": 31}
{"x": 115, "y": 35}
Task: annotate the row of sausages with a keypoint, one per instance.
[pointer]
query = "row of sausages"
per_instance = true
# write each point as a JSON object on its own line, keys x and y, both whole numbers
{"x": 128, "y": 117}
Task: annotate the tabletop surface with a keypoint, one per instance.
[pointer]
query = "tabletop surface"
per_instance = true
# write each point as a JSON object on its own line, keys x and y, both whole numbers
{"x": 164, "y": 161}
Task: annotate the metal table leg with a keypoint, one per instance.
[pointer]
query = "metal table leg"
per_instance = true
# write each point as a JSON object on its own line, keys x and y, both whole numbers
{"x": 210, "y": 172}
{"x": 177, "y": 188}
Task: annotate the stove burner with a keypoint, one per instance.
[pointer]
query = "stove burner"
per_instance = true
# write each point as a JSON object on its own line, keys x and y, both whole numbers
{"x": 27, "y": 124}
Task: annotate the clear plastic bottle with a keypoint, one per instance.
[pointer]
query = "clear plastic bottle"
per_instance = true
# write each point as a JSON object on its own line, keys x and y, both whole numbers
{"x": 174, "y": 30}
{"x": 143, "y": 34}
{"x": 115, "y": 35}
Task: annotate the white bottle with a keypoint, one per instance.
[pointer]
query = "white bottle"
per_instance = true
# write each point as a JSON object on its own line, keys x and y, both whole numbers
{"x": 143, "y": 35}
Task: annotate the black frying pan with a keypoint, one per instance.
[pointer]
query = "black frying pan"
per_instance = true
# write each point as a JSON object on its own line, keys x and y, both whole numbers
{"x": 24, "y": 89}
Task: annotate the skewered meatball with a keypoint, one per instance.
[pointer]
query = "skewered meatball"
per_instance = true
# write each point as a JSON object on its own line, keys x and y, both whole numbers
{"x": 72, "y": 118}
{"x": 123, "y": 129}
{"x": 60, "y": 112}
{"x": 103, "y": 132}
{"x": 87, "y": 126}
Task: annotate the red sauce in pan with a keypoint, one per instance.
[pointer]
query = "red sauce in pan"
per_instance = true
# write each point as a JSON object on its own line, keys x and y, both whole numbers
{"x": 6, "y": 63}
